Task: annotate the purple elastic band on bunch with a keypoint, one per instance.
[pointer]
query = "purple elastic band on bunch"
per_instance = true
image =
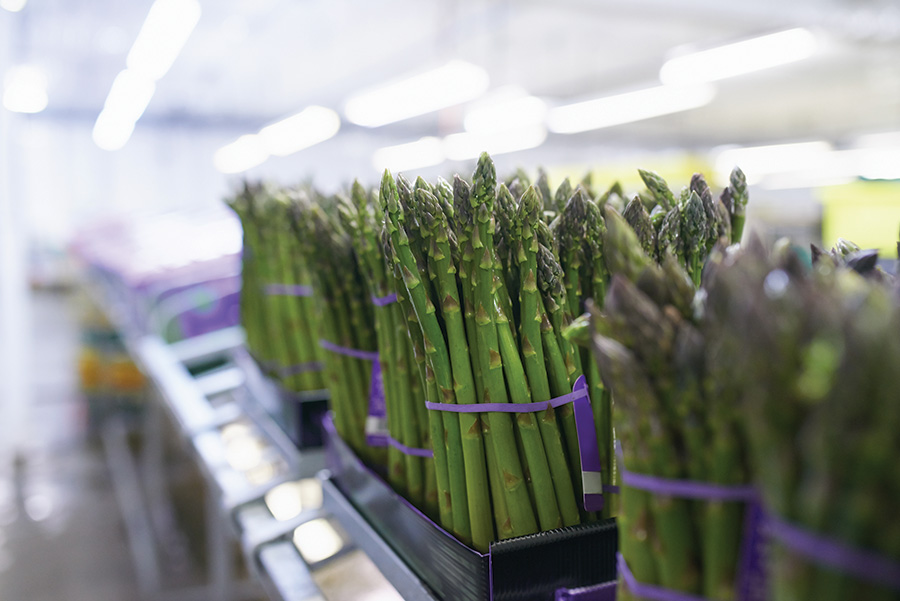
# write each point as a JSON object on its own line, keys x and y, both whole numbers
{"x": 287, "y": 290}
{"x": 383, "y": 301}
{"x": 688, "y": 489}
{"x": 649, "y": 591}
{"x": 591, "y": 480}
{"x": 692, "y": 489}
{"x": 414, "y": 452}
{"x": 349, "y": 352}
{"x": 860, "y": 563}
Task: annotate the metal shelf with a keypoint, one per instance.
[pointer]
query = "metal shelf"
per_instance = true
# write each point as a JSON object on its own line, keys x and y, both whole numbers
{"x": 207, "y": 384}
{"x": 394, "y": 569}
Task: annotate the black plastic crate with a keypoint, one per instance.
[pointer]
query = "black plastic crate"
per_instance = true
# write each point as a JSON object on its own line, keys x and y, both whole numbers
{"x": 531, "y": 567}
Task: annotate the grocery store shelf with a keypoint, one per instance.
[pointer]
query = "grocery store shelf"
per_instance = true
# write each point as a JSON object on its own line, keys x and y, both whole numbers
{"x": 394, "y": 569}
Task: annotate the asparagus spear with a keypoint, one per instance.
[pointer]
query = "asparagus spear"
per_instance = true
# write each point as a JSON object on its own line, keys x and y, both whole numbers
{"x": 658, "y": 188}
{"x": 440, "y": 263}
{"x": 739, "y": 198}
{"x": 533, "y": 315}
{"x": 521, "y": 515}
{"x": 443, "y": 427}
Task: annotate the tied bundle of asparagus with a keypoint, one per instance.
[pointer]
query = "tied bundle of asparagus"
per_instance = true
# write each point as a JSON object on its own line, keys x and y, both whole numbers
{"x": 485, "y": 291}
{"x": 400, "y": 350}
{"x": 673, "y": 414}
{"x": 278, "y": 322}
{"x": 343, "y": 314}
{"x": 817, "y": 352}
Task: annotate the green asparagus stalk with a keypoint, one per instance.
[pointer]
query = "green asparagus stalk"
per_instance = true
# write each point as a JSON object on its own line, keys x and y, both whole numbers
{"x": 440, "y": 263}
{"x": 521, "y": 515}
{"x": 443, "y": 427}
{"x": 532, "y": 316}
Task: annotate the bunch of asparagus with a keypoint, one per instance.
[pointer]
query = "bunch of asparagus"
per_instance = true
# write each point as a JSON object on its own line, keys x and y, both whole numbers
{"x": 279, "y": 326}
{"x": 817, "y": 352}
{"x": 675, "y": 418}
{"x": 343, "y": 312}
{"x": 488, "y": 299}
{"x": 400, "y": 350}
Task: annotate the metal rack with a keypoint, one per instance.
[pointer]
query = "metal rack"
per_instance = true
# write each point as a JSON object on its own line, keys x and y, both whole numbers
{"x": 202, "y": 405}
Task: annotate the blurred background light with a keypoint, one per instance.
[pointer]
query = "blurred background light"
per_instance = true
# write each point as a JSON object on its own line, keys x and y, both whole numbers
{"x": 163, "y": 35}
{"x": 747, "y": 56}
{"x": 165, "y": 32}
{"x": 25, "y": 89}
{"x": 463, "y": 146}
{"x": 12, "y": 6}
{"x": 317, "y": 540}
{"x": 507, "y": 108}
{"x": 629, "y": 107}
{"x": 424, "y": 152}
{"x": 310, "y": 126}
{"x": 448, "y": 85}
{"x": 244, "y": 153}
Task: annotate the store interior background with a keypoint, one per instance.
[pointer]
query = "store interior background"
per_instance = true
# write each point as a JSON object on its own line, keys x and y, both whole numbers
{"x": 181, "y": 127}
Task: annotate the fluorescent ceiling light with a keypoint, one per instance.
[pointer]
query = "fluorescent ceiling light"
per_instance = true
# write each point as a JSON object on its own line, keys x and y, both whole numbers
{"x": 505, "y": 114}
{"x": 451, "y": 84}
{"x": 424, "y": 152}
{"x": 760, "y": 161}
{"x": 12, "y": 6}
{"x": 111, "y": 132}
{"x": 244, "y": 153}
{"x": 25, "y": 89}
{"x": 886, "y": 139}
{"x": 129, "y": 96}
{"x": 461, "y": 147}
{"x": 165, "y": 31}
{"x": 312, "y": 125}
{"x": 628, "y": 107}
{"x": 741, "y": 57}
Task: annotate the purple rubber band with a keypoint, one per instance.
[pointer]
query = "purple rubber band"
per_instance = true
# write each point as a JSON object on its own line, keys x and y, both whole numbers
{"x": 383, "y": 301}
{"x": 508, "y": 407}
{"x": 689, "y": 489}
{"x": 857, "y": 562}
{"x": 649, "y": 591}
{"x": 414, "y": 452}
{"x": 287, "y": 290}
{"x": 349, "y": 352}
{"x": 301, "y": 368}
{"x": 584, "y": 425}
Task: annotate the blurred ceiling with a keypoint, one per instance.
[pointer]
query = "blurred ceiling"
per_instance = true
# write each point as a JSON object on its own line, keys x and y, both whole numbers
{"x": 250, "y": 62}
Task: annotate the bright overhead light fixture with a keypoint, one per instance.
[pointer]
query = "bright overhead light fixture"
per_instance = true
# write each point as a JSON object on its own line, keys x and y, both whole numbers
{"x": 760, "y": 161}
{"x": 12, "y": 6}
{"x": 453, "y": 83}
{"x": 424, "y": 152}
{"x": 505, "y": 113}
{"x": 111, "y": 131}
{"x": 310, "y": 126}
{"x": 739, "y": 58}
{"x": 25, "y": 89}
{"x": 129, "y": 95}
{"x": 628, "y": 107}
{"x": 244, "y": 153}
{"x": 461, "y": 147}
{"x": 165, "y": 31}
{"x": 127, "y": 100}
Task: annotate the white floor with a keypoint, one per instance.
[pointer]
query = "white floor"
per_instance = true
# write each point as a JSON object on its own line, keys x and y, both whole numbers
{"x": 61, "y": 537}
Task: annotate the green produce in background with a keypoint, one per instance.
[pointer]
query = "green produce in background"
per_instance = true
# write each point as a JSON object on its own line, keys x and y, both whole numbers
{"x": 818, "y": 350}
